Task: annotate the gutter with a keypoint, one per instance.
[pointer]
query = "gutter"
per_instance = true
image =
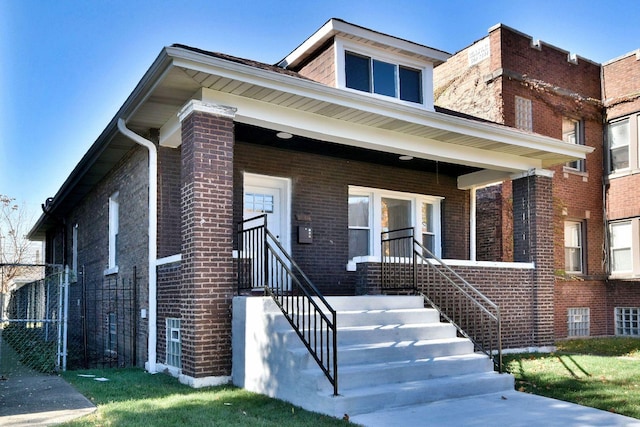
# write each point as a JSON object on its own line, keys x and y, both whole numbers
{"x": 153, "y": 238}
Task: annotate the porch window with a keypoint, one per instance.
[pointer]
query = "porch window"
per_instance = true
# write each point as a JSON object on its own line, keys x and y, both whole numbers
{"x": 373, "y": 211}
{"x": 621, "y": 247}
{"x": 359, "y": 225}
{"x": 372, "y": 75}
{"x": 573, "y": 247}
{"x": 618, "y": 135}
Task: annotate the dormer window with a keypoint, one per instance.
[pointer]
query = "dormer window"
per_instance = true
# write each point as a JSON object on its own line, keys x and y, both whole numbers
{"x": 384, "y": 78}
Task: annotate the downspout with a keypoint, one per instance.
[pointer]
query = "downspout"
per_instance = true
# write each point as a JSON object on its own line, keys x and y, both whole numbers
{"x": 153, "y": 238}
{"x": 472, "y": 224}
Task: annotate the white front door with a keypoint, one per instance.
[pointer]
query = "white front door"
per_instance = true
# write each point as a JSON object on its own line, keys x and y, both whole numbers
{"x": 269, "y": 195}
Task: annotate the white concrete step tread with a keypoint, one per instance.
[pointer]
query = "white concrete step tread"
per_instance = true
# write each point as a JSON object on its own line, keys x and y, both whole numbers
{"x": 371, "y": 374}
{"x": 369, "y": 399}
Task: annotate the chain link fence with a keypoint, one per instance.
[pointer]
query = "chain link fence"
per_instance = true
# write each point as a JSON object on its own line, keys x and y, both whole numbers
{"x": 31, "y": 315}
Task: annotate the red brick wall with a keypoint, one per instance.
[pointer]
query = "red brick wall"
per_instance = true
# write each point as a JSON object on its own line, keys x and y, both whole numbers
{"x": 591, "y": 294}
{"x": 621, "y": 87}
{"x": 621, "y": 201}
{"x": 169, "y": 293}
{"x": 169, "y": 215}
{"x": 207, "y": 285}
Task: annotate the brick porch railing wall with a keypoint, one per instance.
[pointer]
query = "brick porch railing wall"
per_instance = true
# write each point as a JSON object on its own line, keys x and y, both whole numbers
{"x": 510, "y": 288}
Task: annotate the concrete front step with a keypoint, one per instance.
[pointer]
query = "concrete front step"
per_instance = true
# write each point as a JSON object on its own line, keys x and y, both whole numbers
{"x": 392, "y": 352}
{"x": 382, "y": 333}
{"x": 377, "y": 374}
{"x": 370, "y": 399}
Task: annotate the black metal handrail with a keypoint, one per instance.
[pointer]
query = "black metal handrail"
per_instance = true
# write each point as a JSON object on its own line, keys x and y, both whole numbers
{"x": 264, "y": 264}
{"x": 408, "y": 266}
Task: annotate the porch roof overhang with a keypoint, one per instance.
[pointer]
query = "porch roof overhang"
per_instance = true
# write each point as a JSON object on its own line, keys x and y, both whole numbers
{"x": 274, "y": 98}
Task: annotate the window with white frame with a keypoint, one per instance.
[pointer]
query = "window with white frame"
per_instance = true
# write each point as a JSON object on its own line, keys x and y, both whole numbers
{"x": 621, "y": 247}
{"x": 524, "y": 114}
{"x": 578, "y": 322}
{"x": 572, "y": 133}
{"x": 373, "y": 211}
{"x": 628, "y": 321}
{"x": 114, "y": 226}
{"x": 573, "y": 247}
{"x": 174, "y": 343}
{"x": 372, "y": 75}
{"x": 618, "y": 136}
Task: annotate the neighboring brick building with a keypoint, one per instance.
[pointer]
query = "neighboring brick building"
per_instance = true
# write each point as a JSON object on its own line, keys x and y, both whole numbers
{"x": 333, "y": 146}
{"x": 510, "y": 78}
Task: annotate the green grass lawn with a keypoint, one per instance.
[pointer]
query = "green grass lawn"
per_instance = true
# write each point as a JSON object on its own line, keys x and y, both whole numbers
{"x": 600, "y": 373}
{"x": 132, "y": 397}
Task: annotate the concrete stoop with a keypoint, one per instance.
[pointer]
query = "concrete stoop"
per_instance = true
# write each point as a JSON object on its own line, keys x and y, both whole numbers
{"x": 392, "y": 352}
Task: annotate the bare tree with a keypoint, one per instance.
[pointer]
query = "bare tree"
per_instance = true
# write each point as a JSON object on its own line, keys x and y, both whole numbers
{"x": 15, "y": 249}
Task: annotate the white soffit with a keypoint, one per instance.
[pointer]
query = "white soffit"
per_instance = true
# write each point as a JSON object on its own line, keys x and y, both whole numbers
{"x": 269, "y": 99}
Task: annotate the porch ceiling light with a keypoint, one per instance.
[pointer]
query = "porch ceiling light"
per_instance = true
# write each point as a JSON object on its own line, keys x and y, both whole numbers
{"x": 284, "y": 135}
{"x": 405, "y": 158}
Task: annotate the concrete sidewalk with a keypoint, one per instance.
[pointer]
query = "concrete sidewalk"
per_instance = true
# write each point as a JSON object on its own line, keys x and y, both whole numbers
{"x": 29, "y": 398}
{"x": 511, "y": 409}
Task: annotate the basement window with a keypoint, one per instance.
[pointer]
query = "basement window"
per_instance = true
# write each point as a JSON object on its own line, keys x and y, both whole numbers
{"x": 578, "y": 322}
{"x": 174, "y": 343}
{"x": 628, "y": 321}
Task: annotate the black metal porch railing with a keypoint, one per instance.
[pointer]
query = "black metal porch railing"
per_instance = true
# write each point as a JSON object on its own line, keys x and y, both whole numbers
{"x": 264, "y": 265}
{"x": 409, "y": 267}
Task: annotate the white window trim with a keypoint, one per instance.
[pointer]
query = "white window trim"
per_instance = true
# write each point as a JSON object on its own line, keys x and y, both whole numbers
{"x": 426, "y": 70}
{"x": 630, "y": 147}
{"x": 375, "y": 202}
{"x": 635, "y": 246}
{"x": 114, "y": 226}
{"x": 581, "y": 246}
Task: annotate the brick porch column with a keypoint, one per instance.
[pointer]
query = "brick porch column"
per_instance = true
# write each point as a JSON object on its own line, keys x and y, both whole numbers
{"x": 533, "y": 242}
{"x": 207, "y": 229}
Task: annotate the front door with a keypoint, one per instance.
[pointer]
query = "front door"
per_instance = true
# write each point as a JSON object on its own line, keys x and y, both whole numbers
{"x": 270, "y": 196}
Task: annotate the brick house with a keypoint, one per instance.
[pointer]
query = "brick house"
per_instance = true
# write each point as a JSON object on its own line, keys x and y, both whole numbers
{"x": 336, "y": 144}
{"x": 510, "y": 78}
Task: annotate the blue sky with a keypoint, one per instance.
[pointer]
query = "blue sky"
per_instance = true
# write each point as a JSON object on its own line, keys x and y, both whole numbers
{"x": 67, "y": 66}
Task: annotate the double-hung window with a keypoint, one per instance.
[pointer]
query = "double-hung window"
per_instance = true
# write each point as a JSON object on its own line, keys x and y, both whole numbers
{"x": 374, "y": 211}
{"x": 572, "y": 133}
{"x": 621, "y": 243}
{"x": 618, "y": 136}
{"x": 373, "y": 75}
{"x": 359, "y": 224}
{"x": 573, "y": 247}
